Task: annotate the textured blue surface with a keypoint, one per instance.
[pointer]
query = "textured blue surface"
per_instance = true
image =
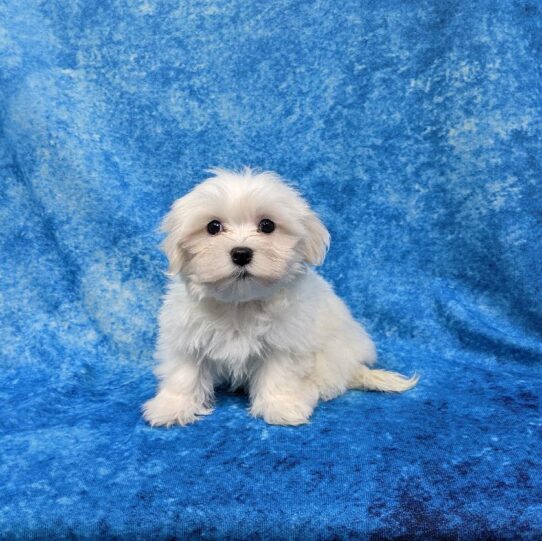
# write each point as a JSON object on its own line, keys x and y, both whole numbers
{"x": 414, "y": 128}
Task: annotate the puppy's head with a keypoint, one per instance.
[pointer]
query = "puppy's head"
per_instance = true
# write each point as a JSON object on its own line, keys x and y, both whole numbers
{"x": 240, "y": 236}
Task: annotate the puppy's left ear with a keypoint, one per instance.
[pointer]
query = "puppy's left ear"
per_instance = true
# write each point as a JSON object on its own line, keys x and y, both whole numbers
{"x": 317, "y": 240}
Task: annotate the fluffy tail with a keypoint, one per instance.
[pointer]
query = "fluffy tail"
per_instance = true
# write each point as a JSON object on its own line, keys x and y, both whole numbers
{"x": 382, "y": 380}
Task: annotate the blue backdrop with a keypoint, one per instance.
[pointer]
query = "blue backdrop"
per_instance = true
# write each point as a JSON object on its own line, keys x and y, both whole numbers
{"x": 413, "y": 128}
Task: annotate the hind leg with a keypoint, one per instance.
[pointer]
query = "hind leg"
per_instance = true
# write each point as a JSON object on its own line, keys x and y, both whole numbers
{"x": 340, "y": 360}
{"x": 346, "y": 347}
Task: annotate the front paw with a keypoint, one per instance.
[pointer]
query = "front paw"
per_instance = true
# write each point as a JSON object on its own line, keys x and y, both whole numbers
{"x": 167, "y": 409}
{"x": 282, "y": 412}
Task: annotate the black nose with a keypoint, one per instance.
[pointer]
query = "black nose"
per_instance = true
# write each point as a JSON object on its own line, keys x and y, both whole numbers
{"x": 241, "y": 256}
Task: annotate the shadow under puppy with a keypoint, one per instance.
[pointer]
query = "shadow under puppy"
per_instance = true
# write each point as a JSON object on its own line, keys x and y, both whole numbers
{"x": 244, "y": 307}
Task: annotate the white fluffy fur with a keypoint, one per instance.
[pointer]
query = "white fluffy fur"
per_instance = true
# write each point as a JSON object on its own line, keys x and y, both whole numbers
{"x": 280, "y": 332}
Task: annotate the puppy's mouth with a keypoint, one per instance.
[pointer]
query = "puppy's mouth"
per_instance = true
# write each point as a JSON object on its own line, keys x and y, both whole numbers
{"x": 243, "y": 275}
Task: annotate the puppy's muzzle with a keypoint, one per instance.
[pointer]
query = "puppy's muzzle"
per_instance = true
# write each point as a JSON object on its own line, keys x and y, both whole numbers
{"x": 241, "y": 256}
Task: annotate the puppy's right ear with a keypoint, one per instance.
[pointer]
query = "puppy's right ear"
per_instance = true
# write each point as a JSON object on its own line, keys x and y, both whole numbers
{"x": 171, "y": 245}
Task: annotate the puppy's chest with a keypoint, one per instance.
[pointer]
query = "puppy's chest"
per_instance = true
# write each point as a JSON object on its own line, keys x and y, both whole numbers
{"x": 235, "y": 335}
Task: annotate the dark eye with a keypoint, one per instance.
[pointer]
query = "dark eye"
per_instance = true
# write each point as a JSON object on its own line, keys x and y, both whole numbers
{"x": 214, "y": 227}
{"x": 266, "y": 226}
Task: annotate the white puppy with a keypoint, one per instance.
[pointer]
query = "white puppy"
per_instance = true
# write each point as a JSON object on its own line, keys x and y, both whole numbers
{"x": 244, "y": 307}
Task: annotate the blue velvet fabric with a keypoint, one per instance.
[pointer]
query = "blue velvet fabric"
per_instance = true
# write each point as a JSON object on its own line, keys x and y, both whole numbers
{"x": 413, "y": 128}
